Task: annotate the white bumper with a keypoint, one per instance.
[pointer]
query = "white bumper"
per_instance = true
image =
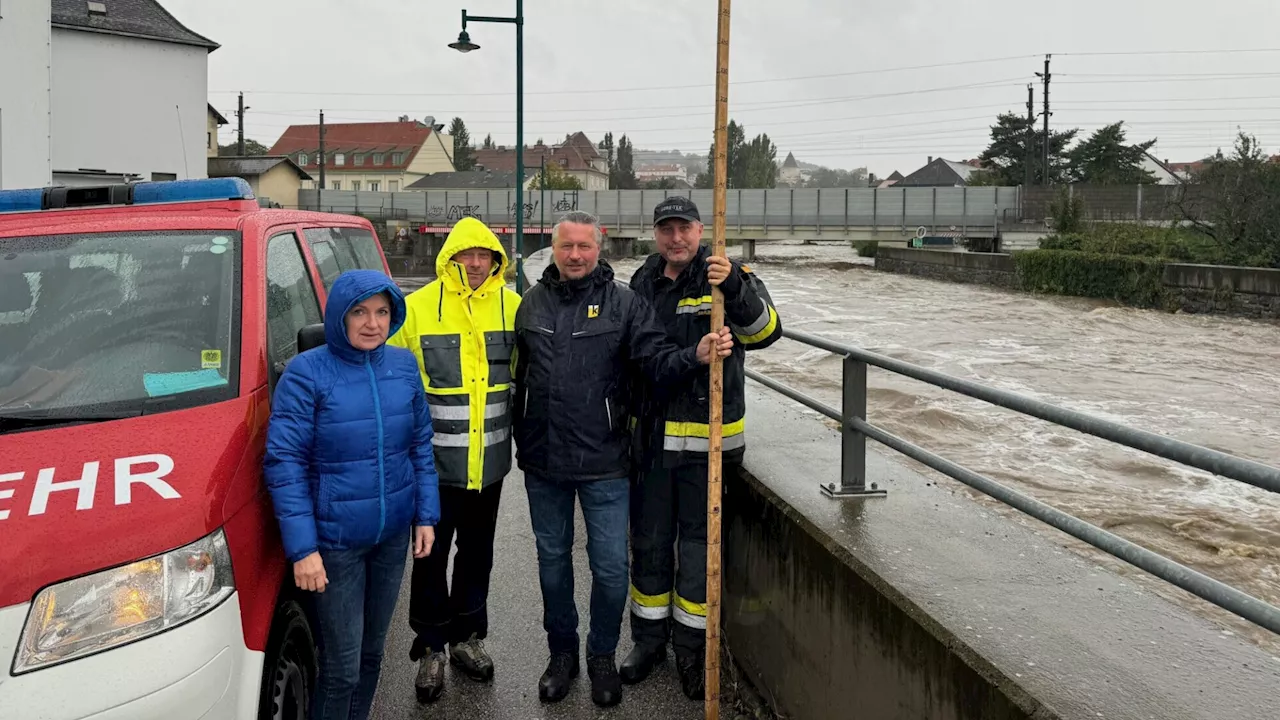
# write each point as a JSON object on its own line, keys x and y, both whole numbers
{"x": 199, "y": 671}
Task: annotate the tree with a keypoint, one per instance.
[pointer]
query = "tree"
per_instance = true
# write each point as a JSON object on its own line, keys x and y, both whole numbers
{"x": 750, "y": 164}
{"x": 1237, "y": 204}
{"x": 626, "y": 172}
{"x": 660, "y": 184}
{"x": 464, "y": 156}
{"x": 555, "y": 179}
{"x": 828, "y": 178}
{"x": 1106, "y": 159}
{"x": 488, "y": 142}
{"x": 251, "y": 147}
{"x": 1006, "y": 157}
{"x": 607, "y": 146}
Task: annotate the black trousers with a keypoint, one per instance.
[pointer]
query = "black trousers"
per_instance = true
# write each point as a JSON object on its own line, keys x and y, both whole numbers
{"x": 441, "y": 614}
{"x": 669, "y": 558}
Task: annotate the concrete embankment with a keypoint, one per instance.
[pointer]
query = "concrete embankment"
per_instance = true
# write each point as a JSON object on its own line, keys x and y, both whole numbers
{"x": 1241, "y": 291}
{"x": 926, "y": 604}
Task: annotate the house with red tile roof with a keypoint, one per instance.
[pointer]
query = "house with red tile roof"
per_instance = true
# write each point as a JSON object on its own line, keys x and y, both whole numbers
{"x": 577, "y": 157}
{"x": 374, "y": 156}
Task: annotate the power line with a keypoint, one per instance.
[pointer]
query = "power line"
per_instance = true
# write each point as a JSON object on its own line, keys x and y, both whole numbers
{"x": 650, "y": 88}
{"x": 1171, "y": 52}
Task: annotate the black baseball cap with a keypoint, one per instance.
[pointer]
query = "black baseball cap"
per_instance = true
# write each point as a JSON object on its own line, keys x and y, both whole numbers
{"x": 676, "y": 207}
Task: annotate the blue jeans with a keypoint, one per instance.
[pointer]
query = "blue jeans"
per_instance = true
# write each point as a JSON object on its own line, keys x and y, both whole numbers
{"x": 352, "y": 617}
{"x": 605, "y": 508}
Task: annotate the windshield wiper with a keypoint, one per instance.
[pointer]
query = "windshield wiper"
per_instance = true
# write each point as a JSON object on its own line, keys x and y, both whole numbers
{"x": 10, "y": 422}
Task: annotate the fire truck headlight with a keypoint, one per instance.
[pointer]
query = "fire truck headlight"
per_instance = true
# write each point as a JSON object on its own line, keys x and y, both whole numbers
{"x": 97, "y": 612}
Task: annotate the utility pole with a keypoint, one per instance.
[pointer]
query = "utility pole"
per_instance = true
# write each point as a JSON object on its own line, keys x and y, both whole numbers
{"x": 321, "y": 160}
{"x": 1046, "y": 77}
{"x": 1031, "y": 132}
{"x": 240, "y": 133}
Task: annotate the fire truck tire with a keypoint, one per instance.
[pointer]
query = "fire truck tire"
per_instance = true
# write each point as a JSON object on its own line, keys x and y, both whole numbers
{"x": 289, "y": 669}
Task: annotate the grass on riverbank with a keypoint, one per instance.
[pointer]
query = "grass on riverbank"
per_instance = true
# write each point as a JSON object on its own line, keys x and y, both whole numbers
{"x": 1170, "y": 244}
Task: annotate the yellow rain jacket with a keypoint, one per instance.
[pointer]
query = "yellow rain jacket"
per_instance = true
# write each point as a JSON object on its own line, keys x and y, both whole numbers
{"x": 463, "y": 340}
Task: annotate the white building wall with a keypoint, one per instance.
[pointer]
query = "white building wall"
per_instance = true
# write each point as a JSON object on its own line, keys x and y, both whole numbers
{"x": 126, "y": 105}
{"x": 24, "y": 94}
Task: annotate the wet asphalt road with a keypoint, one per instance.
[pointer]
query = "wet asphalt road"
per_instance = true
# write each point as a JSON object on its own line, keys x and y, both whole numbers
{"x": 518, "y": 645}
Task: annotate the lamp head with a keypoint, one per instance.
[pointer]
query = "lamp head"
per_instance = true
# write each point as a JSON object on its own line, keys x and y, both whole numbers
{"x": 464, "y": 43}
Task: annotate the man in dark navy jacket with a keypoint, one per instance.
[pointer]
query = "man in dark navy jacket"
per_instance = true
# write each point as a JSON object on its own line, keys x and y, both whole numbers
{"x": 579, "y": 334}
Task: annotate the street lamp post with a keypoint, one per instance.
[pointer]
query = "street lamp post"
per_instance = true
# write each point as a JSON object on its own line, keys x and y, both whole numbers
{"x": 465, "y": 45}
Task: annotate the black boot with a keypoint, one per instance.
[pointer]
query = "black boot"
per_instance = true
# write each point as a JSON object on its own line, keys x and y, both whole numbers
{"x": 693, "y": 675}
{"x": 554, "y": 685}
{"x": 641, "y": 661}
{"x": 606, "y": 686}
{"x": 430, "y": 681}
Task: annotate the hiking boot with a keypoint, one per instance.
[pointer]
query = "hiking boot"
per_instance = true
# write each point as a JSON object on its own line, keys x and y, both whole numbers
{"x": 641, "y": 661}
{"x": 561, "y": 669}
{"x": 693, "y": 676}
{"x": 430, "y": 680}
{"x": 606, "y": 686}
{"x": 470, "y": 657}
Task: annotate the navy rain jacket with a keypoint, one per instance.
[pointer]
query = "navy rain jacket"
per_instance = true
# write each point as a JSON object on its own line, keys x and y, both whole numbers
{"x": 348, "y": 460}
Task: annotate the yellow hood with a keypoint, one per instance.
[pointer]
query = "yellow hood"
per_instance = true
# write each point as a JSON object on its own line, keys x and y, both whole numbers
{"x": 466, "y": 234}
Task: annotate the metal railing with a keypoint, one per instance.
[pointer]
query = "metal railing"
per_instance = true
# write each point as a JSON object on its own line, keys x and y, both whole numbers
{"x": 855, "y": 430}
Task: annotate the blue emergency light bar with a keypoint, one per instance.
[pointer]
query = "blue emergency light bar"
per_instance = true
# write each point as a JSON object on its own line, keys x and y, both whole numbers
{"x": 147, "y": 193}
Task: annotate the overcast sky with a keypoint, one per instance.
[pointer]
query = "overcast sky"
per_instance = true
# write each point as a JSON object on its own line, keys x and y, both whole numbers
{"x": 829, "y": 80}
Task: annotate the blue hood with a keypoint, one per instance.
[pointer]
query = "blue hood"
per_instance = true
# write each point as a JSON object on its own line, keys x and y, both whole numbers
{"x": 350, "y": 289}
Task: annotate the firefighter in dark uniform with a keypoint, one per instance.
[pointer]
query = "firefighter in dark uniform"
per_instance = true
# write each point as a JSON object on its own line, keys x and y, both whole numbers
{"x": 669, "y": 495}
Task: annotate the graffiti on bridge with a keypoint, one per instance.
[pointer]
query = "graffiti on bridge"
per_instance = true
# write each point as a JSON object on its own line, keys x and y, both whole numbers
{"x": 529, "y": 209}
{"x": 455, "y": 212}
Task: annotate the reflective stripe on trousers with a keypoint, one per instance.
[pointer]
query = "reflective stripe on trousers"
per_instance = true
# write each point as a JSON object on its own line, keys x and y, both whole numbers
{"x": 659, "y": 607}
{"x": 691, "y": 614}
{"x": 650, "y": 607}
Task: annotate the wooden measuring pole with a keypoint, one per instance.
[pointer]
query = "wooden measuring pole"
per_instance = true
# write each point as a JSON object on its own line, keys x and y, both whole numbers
{"x": 714, "y": 467}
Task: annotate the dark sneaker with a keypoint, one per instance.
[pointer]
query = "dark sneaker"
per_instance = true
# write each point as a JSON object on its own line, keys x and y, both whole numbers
{"x": 471, "y": 658}
{"x": 640, "y": 662}
{"x": 554, "y": 685}
{"x": 606, "y": 686}
{"x": 693, "y": 676}
{"x": 430, "y": 680}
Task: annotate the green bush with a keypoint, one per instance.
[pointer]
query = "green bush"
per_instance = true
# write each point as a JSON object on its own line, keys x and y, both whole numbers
{"x": 1136, "y": 281}
{"x": 1174, "y": 244}
{"x": 868, "y": 248}
{"x": 1067, "y": 211}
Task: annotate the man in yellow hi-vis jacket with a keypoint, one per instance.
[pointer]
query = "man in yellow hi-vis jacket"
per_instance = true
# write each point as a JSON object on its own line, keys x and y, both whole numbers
{"x": 461, "y": 328}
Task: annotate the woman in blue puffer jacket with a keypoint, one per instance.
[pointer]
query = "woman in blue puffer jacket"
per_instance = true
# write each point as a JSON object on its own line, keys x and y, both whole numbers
{"x": 350, "y": 470}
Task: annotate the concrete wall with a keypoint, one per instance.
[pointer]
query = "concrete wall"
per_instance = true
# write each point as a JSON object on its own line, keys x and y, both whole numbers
{"x": 1249, "y": 292}
{"x": 24, "y": 95}
{"x": 126, "y": 105}
{"x": 822, "y": 640}
{"x": 1246, "y": 292}
{"x": 981, "y": 268}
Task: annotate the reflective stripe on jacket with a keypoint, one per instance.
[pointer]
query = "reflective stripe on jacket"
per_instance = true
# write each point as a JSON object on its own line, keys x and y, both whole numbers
{"x": 463, "y": 340}
{"x": 673, "y": 421}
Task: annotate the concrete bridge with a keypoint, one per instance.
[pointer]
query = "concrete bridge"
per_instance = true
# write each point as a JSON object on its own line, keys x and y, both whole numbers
{"x": 819, "y": 214}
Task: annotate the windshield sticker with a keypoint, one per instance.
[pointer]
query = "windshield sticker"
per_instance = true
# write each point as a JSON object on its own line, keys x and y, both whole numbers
{"x": 221, "y": 240}
{"x": 218, "y": 249}
{"x": 210, "y": 359}
{"x": 159, "y": 384}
